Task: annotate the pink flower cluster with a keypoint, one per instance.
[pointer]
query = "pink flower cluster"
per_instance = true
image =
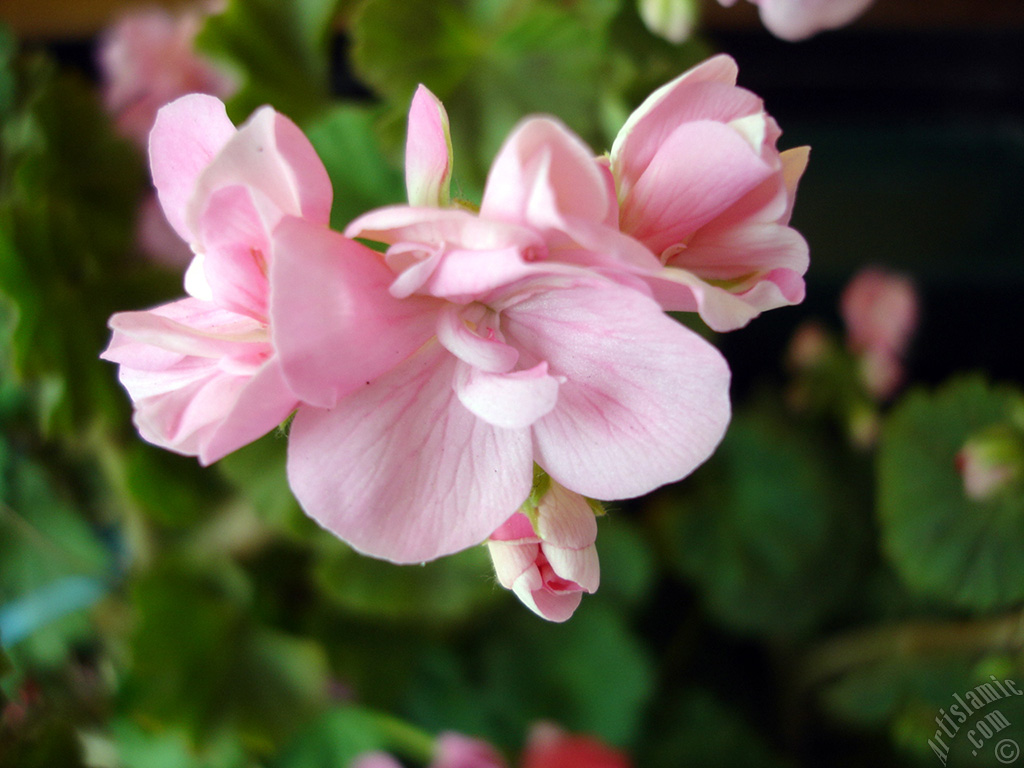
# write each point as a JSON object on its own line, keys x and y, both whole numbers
{"x": 429, "y": 380}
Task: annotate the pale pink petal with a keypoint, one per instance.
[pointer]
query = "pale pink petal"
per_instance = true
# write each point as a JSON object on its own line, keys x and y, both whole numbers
{"x": 481, "y": 349}
{"x": 798, "y": 19}
{"x": 187, "y": 135}
{"x": 705, "y": 92}
{"x": 644, "y": 402}
{"x": 565, "y": 519}
{"x": 544, "y": 168}
{"x": 516, "y": 528}
{"x": 511, "y": 400}
{"x": 405, "y": 224}
{"x": 261, "y": 405}
{"x": 741, "y": 255}
{"x": 375, "y": 760}
{"x": 700, "y": 170}
{"x": 512, "y": 559}
{"x": 428, "y": 151}
{"x": 269, "y": 153}
{"x": 679, "y": 290}
{"x": 553, "y": 605}
{"x": 402, "y": 471}
{"x": 579, "y": 566}
{"x": 335, "y": 326}
{"x": 236, "y": 250}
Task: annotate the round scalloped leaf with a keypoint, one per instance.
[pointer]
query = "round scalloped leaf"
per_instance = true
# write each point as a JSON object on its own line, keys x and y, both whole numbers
{"x": 944, "y": 544}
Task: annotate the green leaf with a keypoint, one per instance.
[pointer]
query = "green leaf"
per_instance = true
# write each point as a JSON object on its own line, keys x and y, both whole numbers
{"x": 767, "y": 531}
{"x": 590, "y": 674}
{"x": 219, "y": 669}
{"x": 49, "y": 554}
{"x": 341, "y": 734}
{"x": 280, "y": 50}
{"x": 492, "y": 62}
{"x": 943, "y": 544}
{"x": 440, "y": 591}
{"x": 68, "y": 198}
{"x": 363, "y": 177}
{"x": 138, "y": 746}
{"x": 627, "y": 563}
{"x": 695, "y": 728}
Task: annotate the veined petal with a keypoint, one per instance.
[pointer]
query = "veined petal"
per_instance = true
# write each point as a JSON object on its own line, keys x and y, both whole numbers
{"x": 335, "y": 325}
{"x": 580, "y": 566}
{"x": 700, "y": 170}
{"x": 428, "y": 151}
{"x": 644, "y": 402}
{"x": 402, "y": 471}
{"x": 512, "y": 400}
{"x": 187, "y": 134}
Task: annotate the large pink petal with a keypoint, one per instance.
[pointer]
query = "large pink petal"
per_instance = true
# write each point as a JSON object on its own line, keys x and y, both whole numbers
{"x": 644, "y": 402}
{"x": 745, "y": 253}
{"x": 701, "y": 169}
{"x": 336, "y": 327}
{"x": 270, "y": 154}
{"x": 543, "y": 170}
{"x": 705, "y": 92}
{"x": 402, "y": 471}
{"x": 187, "y": 135}
{"x": 428, "y": 151}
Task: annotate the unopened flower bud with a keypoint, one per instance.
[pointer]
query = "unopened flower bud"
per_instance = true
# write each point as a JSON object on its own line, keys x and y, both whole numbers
{"x": 546, "y": 555}
{"x": 672, "y": 20}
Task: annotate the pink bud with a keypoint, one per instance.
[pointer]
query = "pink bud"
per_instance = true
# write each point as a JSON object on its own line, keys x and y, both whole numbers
{"x": 453, "y": 750}
{"x": 550, "y": 563}
{"x": 880, "y": 310}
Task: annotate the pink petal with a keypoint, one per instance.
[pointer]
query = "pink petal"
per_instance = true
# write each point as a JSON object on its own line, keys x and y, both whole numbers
{"x": 488, "y": 354}
{"x": 270, "y": 154}
{"x": 187, "y": 135}
{"x": 512, "y": 559}
{"x": 544, "y": 170}
{"x": 335, "y": 326}
{"x": 236, "y": 251}
{"x": 705, "y": 92}
{"x": 565, "y": 519}
{"x": 428, "y": 151}
{"x": 553, "y": 606}
{"x": 798, "y": 19}
{"x": 644, "y": 402}
{"x": 516, "y": 528}
{"x": 579, "y": 566}
{"x": 402, "y": 471}
{"x": 511, "y": 400}
{"x": 453, "y": 750}
{"x": 699, "y": 171}
{"x": 751, "y": 250}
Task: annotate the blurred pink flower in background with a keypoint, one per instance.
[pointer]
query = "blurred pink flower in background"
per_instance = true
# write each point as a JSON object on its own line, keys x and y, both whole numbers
{"x": 798, "y": 19}
{"x": 881, "y": 313}
{"x": 548, "y": 559}
{"x": 701, "y": 184}
{"x": 202, "y": 371}
{"x": 147, "y": 59}
{"x": 990, "y": 462}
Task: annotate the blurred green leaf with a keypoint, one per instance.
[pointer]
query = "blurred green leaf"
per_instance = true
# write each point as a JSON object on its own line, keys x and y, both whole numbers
{"x": 343, "y": 733}
{"x": 136, "y": 746}
{"x": 943, "y": 544}
{"x": 257, "y": 471}
{"x": 201, "y": 661}
{"x": 627, "y": 565}
{"x": 440, "y": 591}
{"x": 492, "y": 62}
{"x": 279, "y": 49}
{"x": 590, "y": 674}
{"x": 695, "y": 728}
{"x": 768, "y": 530}
{"x": 363, "y": 177}
{"x": 46, "y": 547}
{"x": 172, "y": 490}
{"x": 68, "y": 195}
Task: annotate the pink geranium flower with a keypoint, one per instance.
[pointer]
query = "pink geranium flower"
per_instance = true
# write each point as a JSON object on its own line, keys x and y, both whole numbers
{"x": 202, "y": 371}
{"x": 701, "y": 184}
{"x": 501, "y": 346}
{"x": 148, "y": 59}
{"x": 546, "y": 555}
{"x": 798, "y": 19}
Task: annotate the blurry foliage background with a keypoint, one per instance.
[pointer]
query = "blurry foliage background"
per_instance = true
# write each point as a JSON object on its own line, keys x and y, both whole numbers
{"x": 803, "y": 599}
